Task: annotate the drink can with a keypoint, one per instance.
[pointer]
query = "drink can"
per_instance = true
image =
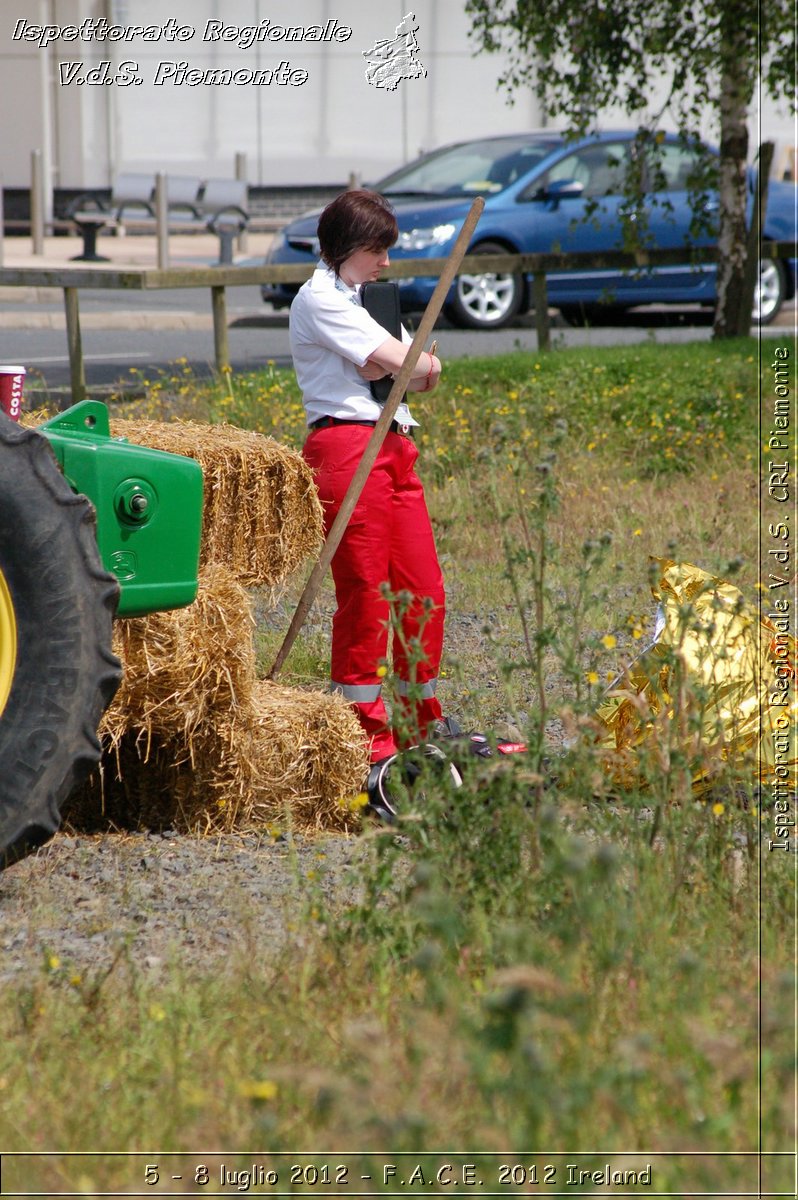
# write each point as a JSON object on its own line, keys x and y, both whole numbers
{"x": 12, "y": 380}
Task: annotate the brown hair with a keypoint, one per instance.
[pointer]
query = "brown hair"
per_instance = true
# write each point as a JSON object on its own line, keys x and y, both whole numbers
{"x": 355, "y": 220}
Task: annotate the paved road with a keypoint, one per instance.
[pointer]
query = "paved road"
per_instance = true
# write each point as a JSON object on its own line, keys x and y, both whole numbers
{"x": 148, "y": 332}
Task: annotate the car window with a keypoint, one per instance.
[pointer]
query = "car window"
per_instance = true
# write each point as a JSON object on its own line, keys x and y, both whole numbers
{"x": 483, "y": 166}
{"x": 674, "y": 169}
{"x": 600, "y": 168}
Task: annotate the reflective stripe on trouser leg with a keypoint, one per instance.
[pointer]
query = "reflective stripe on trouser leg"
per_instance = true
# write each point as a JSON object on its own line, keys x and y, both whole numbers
{"x": 357, "y": 693}
{"x": 420, "y": 691}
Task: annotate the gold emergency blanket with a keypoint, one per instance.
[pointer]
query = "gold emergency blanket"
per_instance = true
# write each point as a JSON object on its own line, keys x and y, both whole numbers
{"x": 716, "y": 687}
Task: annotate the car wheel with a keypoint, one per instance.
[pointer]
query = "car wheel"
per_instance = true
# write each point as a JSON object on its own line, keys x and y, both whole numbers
{"x": 486, "y": 301}
{"x": 769, "y": 292}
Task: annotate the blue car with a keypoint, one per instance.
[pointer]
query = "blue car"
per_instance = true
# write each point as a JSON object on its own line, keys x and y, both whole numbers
{"x": 543, "y": 193}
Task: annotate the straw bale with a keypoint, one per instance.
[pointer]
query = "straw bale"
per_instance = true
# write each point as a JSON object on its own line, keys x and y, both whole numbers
{"x": 261, "y": 513}
{"x": 310, "y": 754}
{"x": 194, "y": 741}
{"x": 294, "y": 758}
{"x": 183, "y": 667}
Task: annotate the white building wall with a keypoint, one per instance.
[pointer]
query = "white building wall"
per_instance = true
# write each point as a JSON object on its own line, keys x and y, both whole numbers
{"x": 319, "y": 132}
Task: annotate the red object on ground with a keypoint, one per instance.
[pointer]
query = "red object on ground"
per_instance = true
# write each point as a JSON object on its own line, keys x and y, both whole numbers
{"x": 12, "y": 379}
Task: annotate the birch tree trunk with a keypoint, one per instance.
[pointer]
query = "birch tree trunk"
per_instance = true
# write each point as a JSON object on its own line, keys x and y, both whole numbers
{"x": 736, "y": 92}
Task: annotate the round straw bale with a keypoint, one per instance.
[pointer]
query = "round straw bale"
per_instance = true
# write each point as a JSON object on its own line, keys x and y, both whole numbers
{"x": 261, "y": 513}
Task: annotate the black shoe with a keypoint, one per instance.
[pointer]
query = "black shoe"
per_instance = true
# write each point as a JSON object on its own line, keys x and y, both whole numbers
{"x": 381, "y": 803}
{"x": 446, "y": 727}
{"x": 460, "y": 745}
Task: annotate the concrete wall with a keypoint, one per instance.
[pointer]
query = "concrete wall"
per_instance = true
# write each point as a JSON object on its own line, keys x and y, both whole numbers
{"x": 318, "y": 132}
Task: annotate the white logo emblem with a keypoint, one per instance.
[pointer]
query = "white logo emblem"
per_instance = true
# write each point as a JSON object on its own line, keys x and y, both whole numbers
{"x": 392, "y": 59}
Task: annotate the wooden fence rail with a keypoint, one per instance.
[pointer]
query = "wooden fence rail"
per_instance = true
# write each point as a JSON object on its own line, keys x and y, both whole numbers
{"x": 217, "y": 279}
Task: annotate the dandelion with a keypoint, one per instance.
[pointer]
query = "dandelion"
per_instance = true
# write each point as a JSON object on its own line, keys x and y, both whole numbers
{"x": 53, "y": 962}
{"x": 608, "y": 641}
{"x": 592, "y": 677}
{"x": 718, "y": 809}
{"x": 257, "y": 1089}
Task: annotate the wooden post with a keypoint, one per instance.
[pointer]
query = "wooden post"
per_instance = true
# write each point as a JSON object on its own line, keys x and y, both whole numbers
{"x": 220, "y": 343}
{"x": 162, "y": 220}
{"x": 380, "y": 432}
{"x": 540, "y": 297}
{"x": 77, "y": 373}
{"x": 37, "y": 201}
{"x": 242, "y": 240}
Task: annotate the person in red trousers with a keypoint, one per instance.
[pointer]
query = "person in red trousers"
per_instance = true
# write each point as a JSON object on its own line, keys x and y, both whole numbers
{"x": 338, "y": 349}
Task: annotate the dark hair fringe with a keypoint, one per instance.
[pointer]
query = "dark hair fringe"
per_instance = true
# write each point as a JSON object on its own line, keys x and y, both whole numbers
{"x": 356, "y": 220}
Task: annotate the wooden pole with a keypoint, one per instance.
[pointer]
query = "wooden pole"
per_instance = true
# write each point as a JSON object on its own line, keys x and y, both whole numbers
{"x": 380, "y": 432}
{"x": 77, "y": 374}
{"x": 541, "y": 299}
{"x": 220, "y": 343}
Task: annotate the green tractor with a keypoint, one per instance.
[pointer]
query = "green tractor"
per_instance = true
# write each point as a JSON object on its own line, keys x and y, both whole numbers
{"x": 91, "y": 527}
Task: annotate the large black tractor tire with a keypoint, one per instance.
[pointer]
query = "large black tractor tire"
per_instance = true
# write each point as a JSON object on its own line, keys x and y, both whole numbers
{"x": 57, "y": 670}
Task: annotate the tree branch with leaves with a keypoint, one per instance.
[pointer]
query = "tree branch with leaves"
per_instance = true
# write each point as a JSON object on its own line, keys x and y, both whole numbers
{"x": 711, "y": 56}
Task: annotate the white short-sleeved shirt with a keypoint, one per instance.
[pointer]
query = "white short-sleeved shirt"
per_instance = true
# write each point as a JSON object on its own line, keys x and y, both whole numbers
{"x": 331, "y": 335}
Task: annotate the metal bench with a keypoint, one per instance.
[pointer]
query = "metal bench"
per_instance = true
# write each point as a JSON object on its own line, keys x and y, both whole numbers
{"x": 193, "y": 205}
{"x": 223, "y": 207}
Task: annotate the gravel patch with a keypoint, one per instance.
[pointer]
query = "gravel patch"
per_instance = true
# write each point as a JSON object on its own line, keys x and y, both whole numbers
{"x": 163, "y": 898}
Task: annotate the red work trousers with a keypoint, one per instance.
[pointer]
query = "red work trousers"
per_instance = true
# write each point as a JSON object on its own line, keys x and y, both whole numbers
{"x": 388, "y": 540}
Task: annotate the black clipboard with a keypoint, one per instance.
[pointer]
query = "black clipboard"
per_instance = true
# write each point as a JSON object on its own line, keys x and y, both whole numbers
{"x": 381, "y": 301}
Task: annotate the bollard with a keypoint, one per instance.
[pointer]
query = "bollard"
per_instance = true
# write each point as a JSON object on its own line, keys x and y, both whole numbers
{"x": 241, "y": 173}
{"x": 37, "y": 201}
{"x": 162, "y": 220}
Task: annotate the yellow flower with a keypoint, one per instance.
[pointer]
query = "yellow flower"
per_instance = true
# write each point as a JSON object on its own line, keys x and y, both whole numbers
{"x": 382, "y": 672}
{"x": 718, "y": 809}
{"x": 53, "y": 962}
{"x": 157, "y": 1013}
{"x": 257, "y": 1089}
{"x": 637, "y": 533}
{"x": 608, "y": 641}
{"x": 592, "y": 677}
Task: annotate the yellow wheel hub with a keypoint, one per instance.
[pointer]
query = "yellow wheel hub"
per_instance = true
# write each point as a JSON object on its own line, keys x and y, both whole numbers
{"x": 8, "y": 642}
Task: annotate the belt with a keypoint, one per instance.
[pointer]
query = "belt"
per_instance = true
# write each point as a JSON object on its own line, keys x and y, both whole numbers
{"x": 394, "y": 427}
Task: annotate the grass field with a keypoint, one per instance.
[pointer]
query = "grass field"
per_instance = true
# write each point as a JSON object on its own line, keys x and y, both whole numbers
{"x": 540, "y": 967}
